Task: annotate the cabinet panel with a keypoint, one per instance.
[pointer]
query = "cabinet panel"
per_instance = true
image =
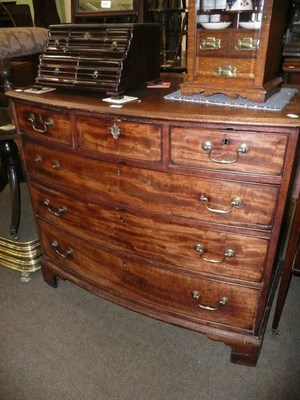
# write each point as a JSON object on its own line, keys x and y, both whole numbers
{"x": 190, "y": 248}
{"x": 187, "y": 295}
{"x": 224, "y": 202}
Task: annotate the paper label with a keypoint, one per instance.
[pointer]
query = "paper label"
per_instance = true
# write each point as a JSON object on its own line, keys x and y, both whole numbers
{"x": 105, "y": 4}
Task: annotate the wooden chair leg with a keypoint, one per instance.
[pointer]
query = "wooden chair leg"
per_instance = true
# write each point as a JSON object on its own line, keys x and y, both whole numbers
{"x": 12, "y": 176}
{"x": 11, "y": 163}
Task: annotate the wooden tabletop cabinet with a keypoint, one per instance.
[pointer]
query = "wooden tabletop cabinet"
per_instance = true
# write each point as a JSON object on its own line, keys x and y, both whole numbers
{"x": 235, "y": 47}
{"x": 133, "y": 204}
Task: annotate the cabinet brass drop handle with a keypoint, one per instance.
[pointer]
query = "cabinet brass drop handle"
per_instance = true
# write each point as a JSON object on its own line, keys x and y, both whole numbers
{"x": 242, "y": 149}
{"x": 57, "y": 212}
{"x": 40, "y": 125}
{"x": 237, "y": 202}
{"x": 228, "y": 253}
{"x": 67, "y": 254}
{"x": 222, "y": 302}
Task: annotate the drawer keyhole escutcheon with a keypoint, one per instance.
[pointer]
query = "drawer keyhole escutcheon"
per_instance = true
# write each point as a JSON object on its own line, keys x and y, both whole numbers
{"x": 199, "y": 248}
{"x": 242, "y": 149}
{"x": 64, "y": 254}
{"x": 57, "y": 212}
{"x": 115, "y": 131}
{"x": 237, "y": 202}
{"x": 222, "y": 302}
{"x": 39, "y": 124}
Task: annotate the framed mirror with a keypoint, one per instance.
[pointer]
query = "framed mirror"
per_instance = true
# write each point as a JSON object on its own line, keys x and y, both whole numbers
{"x": 106, "y": 10}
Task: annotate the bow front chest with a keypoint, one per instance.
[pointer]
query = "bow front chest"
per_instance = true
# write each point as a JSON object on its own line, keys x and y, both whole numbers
{"x": 170, "y": 209}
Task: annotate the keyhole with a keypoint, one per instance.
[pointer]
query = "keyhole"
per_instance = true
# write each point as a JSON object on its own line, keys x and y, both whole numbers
{"x": 226, "y": 142}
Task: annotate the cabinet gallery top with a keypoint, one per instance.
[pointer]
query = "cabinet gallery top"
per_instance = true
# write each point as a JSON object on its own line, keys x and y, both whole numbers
{"x": 152, "y": 103}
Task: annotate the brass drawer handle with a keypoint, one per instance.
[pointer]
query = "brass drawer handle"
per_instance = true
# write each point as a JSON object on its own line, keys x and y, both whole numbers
{"x": 242, "y": 149}
{"x": 115, "y": 131}
{"x": 57, "y": 212}
{"x": 222, "y": 302}
{"x": 228, "y": 253}
{"x": 237, "y": 202}
{"x": 226, "y": 71}
{"x": 40, "y": 125}
{"x": 210, "y": 43}
{"x": 247, "y": 44}
{"x": 67, "y": 254}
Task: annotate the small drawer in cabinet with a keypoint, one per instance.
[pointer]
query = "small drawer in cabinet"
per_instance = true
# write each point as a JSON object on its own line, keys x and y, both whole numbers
{"x": 225, "y": 68}
{"x": 212, "y": 43}
{"x": 44, "y": 123}
{"x": 246, "y": 152}
{"x": 146, "y": 283}
{"x": 189, "y": 248}
{"x": 126, "y": 139}
{"x": 244, "y": 44}
{"x": 223, "y": 202}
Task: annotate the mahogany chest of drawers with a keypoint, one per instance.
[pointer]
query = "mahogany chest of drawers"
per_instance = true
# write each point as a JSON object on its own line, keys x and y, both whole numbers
{"x": 170, "y": 209}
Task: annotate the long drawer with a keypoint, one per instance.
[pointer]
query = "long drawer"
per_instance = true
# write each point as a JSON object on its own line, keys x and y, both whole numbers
{"x": 224, "y": 202}
{"x": 189, "y": 248}
{"x": 186, "y": 295}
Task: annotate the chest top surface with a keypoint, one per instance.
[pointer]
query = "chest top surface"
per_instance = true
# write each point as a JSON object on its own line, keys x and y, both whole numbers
{"x": 152, "y": 104}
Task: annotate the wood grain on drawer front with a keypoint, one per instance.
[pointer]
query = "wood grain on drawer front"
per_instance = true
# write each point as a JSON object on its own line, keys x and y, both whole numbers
{"x": 153, "y": 191}
{"x": 126, "y": 139}
{"x": 150, "y": 284}
{"x": 253, "y": 153}
{"x": 46, "y": 124}
{"x": 165, "y": 242}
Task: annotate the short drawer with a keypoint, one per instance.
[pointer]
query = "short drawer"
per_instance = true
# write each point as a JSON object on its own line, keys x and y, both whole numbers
{"x": 247, "y": 152}
{"x": 122, "y": 138}
{"x": 213, "y": 43}
{"x": 244, "y": 43}
{"x": 44, "y": 123}
{"x": 187, "y": 295}
{"x": 175, "y": 195}
{"x": 189, "y": 248}
{"x": 225, "y": 68}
